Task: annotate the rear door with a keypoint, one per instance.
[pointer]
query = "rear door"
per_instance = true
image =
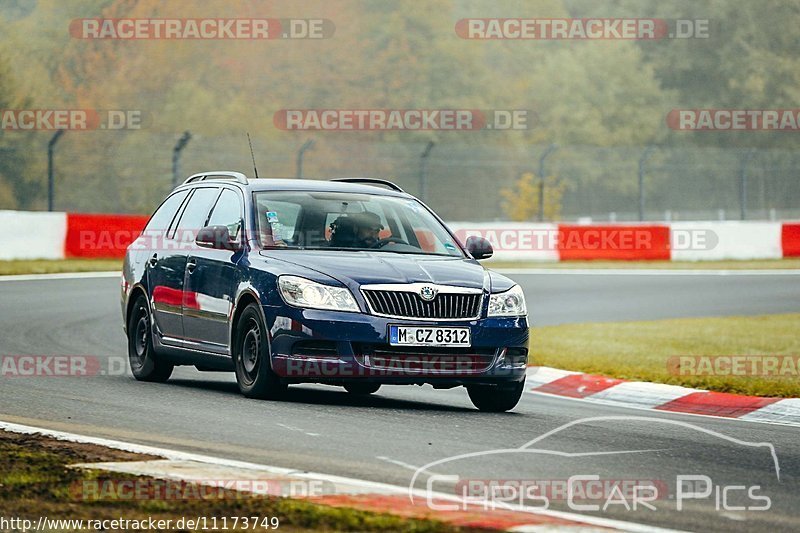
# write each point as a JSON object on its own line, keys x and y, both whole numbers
{"x": 211, "y": 279}
{"x": 167, "y": 288}
{"x": 164, "y": 280}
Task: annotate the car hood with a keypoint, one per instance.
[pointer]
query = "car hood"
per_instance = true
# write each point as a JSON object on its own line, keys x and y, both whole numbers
{"x": 364, "y": 267}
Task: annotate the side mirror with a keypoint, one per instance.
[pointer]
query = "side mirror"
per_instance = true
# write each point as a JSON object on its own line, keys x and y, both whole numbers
{"x": 479, "y": 247}
{"x": 218, "y": 238}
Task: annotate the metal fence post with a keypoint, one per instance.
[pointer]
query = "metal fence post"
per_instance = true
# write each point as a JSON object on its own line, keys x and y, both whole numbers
{"x": 176, "y": 155}
{"x": 423, "y": 171}
{"x": 642, "y": 161}
{"x": 550, "y": 149}
{"x": 50, "y": 171}
{"x": 301, "y": 153}
{"x": 743, "y": 183}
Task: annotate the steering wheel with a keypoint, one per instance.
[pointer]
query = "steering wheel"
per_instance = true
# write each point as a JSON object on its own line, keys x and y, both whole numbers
{"x": 380, "y": 243}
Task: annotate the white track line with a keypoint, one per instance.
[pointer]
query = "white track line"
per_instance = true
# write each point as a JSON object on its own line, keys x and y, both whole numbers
{"x": 405, "y": 465}
{"x": 63, "y": 275}
{"x": 378, "y": 487}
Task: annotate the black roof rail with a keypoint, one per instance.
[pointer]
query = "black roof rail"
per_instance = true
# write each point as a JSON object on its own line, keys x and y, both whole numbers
{"x": 217, "y": 174}
{"x": 371, "y": 181}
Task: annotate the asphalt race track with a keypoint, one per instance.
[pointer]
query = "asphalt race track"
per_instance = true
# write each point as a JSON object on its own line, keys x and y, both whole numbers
{"x": 568, "y": 297}
{"x": 387, "y": 437}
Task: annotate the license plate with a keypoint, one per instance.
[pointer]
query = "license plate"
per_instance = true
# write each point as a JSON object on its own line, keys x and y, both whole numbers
{"x": 428, "y": 336}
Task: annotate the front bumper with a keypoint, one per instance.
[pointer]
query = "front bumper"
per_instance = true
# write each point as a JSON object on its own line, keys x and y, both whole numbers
{"x": 337, "y": 347}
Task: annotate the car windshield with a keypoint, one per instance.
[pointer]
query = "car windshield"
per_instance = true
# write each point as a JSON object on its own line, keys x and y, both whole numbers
{"x": 350, "y": 222}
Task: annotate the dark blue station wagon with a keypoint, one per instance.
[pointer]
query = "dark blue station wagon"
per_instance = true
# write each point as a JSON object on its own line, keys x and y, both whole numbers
{"x": 349, "y": 282}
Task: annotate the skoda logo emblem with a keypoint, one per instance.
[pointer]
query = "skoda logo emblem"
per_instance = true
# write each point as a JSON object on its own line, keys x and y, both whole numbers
{"x": 427, "y": 293}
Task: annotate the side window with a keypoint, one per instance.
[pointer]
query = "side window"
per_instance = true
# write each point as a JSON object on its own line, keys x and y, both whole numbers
{"x": 163, "y": 216}
{"x": 227, "y": 212}
{"x": 195, "y": 214}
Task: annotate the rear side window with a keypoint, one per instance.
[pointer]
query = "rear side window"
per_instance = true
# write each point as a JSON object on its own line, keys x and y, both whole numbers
{"x": 163, "y": 216}
{"x": 195, "y": 214}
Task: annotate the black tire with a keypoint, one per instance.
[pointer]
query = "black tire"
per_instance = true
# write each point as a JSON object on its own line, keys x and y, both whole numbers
{"x": 146, "y": 364}
{"x": 496, "y": 399}
{"x": 362, "y": 389}
{"x": 251, "y": 358}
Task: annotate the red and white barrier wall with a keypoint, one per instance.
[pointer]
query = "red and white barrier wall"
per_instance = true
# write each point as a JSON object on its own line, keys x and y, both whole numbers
{"x": 31, "y": 235}
{"x": 39, "y": 235}
{"x": 668, "y": 241}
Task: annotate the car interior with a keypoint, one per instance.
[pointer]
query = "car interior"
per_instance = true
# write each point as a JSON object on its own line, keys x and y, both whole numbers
{"x": 317, "y": 221}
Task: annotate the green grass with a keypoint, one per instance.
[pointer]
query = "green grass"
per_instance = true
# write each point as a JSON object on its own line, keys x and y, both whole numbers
{"x": 792, "y": 263}
{"x": 35, "y": 481}
{"x": 641, "y": 350}
{"x": 48, "y": 266}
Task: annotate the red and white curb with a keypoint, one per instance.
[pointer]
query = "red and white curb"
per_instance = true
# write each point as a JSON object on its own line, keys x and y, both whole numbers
{"x": 661, "y": 397}
{"x": 338, "y": 491}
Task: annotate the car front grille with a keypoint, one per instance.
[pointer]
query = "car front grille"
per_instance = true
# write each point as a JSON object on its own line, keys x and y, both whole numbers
{"x": 406, "y": 304}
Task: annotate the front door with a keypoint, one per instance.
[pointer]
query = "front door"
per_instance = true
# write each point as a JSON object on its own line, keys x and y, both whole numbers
{"x": 211, "y": 279}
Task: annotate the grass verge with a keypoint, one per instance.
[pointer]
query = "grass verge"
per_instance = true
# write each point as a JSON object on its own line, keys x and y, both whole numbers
{"x": 791, "y": 263}
{"x": 35, "y": 481}
{"x": 641, "y": 351}
{"x": 56, "y": 266}
{"x": 47, "y": 266}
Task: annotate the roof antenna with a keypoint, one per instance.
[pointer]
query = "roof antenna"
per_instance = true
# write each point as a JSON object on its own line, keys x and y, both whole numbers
{"x": 255, "y": 169}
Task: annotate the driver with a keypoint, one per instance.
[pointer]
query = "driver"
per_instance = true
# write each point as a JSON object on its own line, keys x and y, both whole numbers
{"x": 357, "y": 230}
{"x": 369, "y": 227}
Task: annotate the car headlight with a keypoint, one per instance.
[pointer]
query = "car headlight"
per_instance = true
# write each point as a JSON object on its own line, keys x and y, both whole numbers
{"x": 303, "y": 292}
{"x": 509, "y": 303}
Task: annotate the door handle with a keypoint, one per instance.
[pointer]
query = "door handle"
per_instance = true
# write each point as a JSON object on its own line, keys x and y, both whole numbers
{"x": 191, "y": 264}
{"x": 153, "y": 260}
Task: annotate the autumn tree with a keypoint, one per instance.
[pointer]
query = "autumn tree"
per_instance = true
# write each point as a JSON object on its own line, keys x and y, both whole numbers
{"x": 521, "y": 201}
{"x": 16, "y": 187}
